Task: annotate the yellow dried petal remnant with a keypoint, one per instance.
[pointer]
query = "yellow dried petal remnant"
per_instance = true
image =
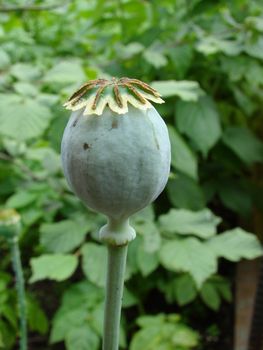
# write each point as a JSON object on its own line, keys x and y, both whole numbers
{"x": 8, "y": 217}
{"x": 95, "y": 95}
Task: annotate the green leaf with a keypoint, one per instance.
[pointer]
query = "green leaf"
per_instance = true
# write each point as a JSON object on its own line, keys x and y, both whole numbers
{"x": 81, "y": 306}
{"x": 65, "y": 321}
{"x": 163, "y": 332}
{"x": 56, "y": 267}
{"x": 255, "y": 22}
{"x": 254, "y": 47}
{"x": 4, "y": 59}
{"x": 49, "y": 159}
{"x": 224, "y": 289}
{"x": 222, "y": 286}
{"x": 129, "y": 298}
{"x": 94, "y": 260}
{"x": 244, "y": 144}
{"x": 81, "y": 295}
{"x": 185, "y": 289}
{"x": 244, "y": 101}
{"x": 200, "y": 122}
{"x": 1, "y": 340}
{"x": 97, "y": 318}
{"x": 31, "y": 215}
{"x": 210, "y": 45}
{"x": 150, "y": 234}
{"x": 65, "y": 73}
{"x": 210, "y": 296}
{"x": 189, "y": 255}
{"x": 185, "y": 89}
{"x": 36, "y": 317}
{"x": 25, "y": 71}
{"x": 21, "y": 199}
{"x": 26, "y": 89}
{"x": 184, "y": 192}
{"x": 181, "y": 57}
{"x": 147, "y": 262}
{"x": 202, "y": 223}
{"x": 236, "y": 244}
{"x": 129, "y": 50}
{"x": 183, "y": 158}
{"x": 82, "y": 338}
{"x": 155, "y": 58}
{"x": 63, "y": 236}
{"x": 22, "y": 118}
{"x": 144, "y": 215}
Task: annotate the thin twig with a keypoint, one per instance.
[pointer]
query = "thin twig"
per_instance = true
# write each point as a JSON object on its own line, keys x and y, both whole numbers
{"x": 34, "y": 7}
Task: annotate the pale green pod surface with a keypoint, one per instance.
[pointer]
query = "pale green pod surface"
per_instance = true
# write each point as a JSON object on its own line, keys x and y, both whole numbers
{"x": 115, "y": 164}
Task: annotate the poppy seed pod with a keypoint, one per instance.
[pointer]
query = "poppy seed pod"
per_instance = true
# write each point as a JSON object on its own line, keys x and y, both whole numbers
{"x": 116, "y": 151}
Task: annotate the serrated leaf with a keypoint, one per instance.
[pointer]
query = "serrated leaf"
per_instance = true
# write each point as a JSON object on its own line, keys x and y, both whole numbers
{"x": 56, "y": 267}
{"x": 65, "y": 320}
{"x": 163, "y": 332}
{"x": 65, "y": 73}
{"x": 189, "y": 255}
{"x": 244, "y": 144}
{"x": 236, "y": 244}
{"x": 183, "y": 158}
{"x": 80, "y": 305}
{"x": 22, "y": 118}
{"x": 94, "y": 260}
{"x": 200, "y": 122}
{"x": 185, "y": 89}
{"x": 155, "y": 58}
{"x": 63, "y": 236}
{"x": 202, "y": 223}
{"x": 184, "y": 192}
{"x": 82, "y": 338}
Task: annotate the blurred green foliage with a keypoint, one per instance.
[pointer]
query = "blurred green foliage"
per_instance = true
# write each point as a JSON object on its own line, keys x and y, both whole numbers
{"x": 205, "y": 57}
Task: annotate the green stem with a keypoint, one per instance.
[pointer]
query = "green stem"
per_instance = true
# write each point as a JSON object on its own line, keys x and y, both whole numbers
{"x": 20, "y": 288}
{"x": 114, "y": 291}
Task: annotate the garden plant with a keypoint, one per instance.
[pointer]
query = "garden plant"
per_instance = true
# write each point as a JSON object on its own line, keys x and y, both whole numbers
{"x": 205, "y": 59}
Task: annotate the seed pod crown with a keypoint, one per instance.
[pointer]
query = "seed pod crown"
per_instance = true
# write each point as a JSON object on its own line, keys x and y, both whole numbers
{"x": 95, "y": 95}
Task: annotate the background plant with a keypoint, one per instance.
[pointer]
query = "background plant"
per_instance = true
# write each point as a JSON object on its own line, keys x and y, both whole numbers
{"x": 206, "y": 59}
